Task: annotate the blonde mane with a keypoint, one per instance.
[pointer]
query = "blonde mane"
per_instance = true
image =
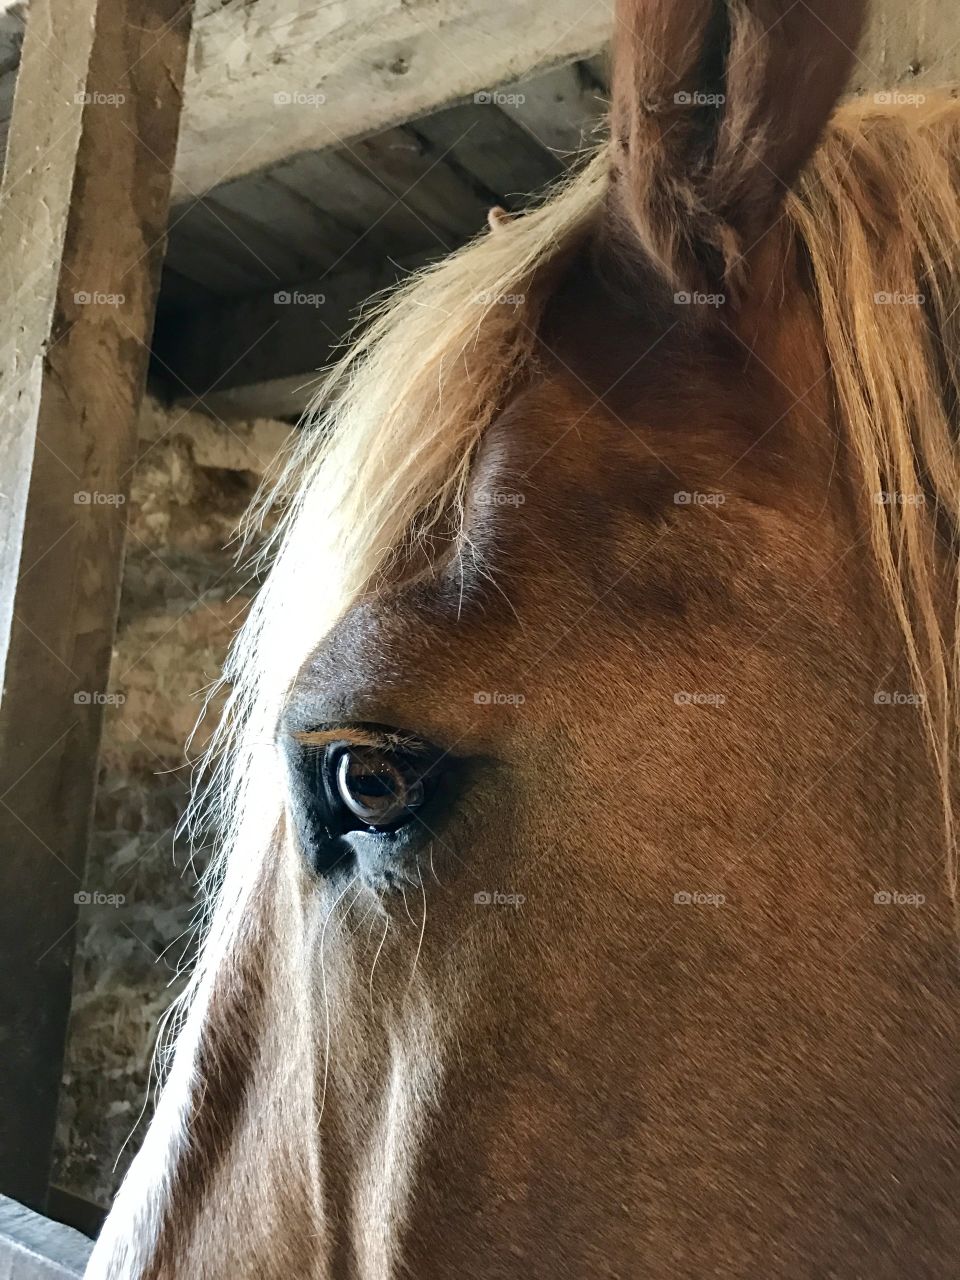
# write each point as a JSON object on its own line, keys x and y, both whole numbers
{"x": 878, "y": 214}
{"x": 388, "y": 446}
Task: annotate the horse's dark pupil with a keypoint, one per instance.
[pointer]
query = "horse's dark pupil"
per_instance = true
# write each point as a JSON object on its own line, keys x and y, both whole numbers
{"x": 376, "y": 792}
{"x": 375, "y": 784}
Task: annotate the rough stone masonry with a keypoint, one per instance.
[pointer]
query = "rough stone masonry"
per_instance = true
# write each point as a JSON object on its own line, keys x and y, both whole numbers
{"x": 184, "y": 595}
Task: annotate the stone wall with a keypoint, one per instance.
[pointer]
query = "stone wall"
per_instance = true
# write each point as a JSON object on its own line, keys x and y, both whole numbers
{"x": 183, "y": 598}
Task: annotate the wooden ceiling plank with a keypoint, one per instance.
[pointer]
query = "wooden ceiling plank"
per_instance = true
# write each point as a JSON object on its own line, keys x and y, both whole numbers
{"x": 560, "y": 110}
{"x": 502, "y": 159}
{"x": 198, "y": 256}
{"x": 227, "y": 252}
{"x": 378, "y": 64}
{"x": 349, "y": 193}
{"x": 258, "y": 71}
{"x": 421, "y": 178}
{"x": 287, "y": 219}
{"x": 177, "y": 290}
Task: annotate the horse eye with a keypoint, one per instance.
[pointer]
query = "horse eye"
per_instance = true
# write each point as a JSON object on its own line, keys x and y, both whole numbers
{"x": 377, "y": 787}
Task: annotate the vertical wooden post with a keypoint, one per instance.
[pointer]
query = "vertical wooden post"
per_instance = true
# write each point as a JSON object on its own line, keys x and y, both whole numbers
{"x": 83, "y": 208}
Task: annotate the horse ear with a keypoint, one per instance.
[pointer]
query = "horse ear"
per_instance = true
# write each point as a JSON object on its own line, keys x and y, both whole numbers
{"x": 717, "y": 105}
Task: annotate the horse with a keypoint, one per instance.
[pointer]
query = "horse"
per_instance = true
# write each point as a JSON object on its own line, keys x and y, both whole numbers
{"x": 585, "y": 902}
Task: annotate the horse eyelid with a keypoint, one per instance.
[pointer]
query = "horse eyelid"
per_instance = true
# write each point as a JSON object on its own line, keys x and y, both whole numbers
{"x": 362, "y": 736}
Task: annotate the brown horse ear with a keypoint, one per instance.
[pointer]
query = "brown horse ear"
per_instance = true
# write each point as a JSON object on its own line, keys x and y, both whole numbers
{"x": 717, "y": 105}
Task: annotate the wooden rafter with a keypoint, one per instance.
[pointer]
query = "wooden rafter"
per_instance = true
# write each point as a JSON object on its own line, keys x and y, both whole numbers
{"x": 83, "y": 206}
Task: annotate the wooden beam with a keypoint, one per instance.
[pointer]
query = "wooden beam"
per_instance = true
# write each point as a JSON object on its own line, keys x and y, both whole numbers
{"x": 374, "y": 63}
{"x": 270, "y": 79}
{"x": 481, "y": 142}
{"x": 379, "y": 63}
{"x": 34, "y": 1248}
{"x": 83, "y": 206}
{"x": 67, "y": 1209}
{"x": 563, "y": 110}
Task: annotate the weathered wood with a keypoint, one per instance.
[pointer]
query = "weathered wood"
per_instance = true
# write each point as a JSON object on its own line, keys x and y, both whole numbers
{"x": 404, "y": 190}
{"x": 379, "y": 63}
{"x": 309, "y": 214}
{"x": 72, "y": 1211}
{"x": 242, "y": 235}
{"x": 270, "y": 80}
{"x": 178, "y": 291}
{"x": 258, "y": 68}
{"x": 423, "y": 180}
{"x": 918, "y": 44}
{"x": 206, "y": 250}
{"x": 318, "y": 238}
{"x": 561, "y": 110}
{"x": 34, "y": 1248}
{"x": 83, "y": 206}
{"x": 352, "y": 193}
{"x": 503, "y": 160}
